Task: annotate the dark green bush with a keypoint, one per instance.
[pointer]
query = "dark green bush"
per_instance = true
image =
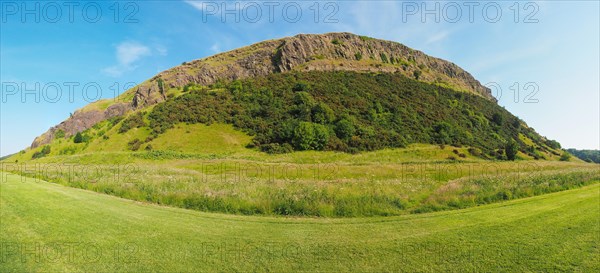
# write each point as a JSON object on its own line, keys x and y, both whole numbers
{"x": 43, "y": 152}
{"x": 78, "y": 138}
{"x": 133, "y": 121}
{"x": 134, "y": 145}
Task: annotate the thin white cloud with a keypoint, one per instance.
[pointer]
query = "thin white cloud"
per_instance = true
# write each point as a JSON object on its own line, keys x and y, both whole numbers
{"x": 438, "y": 37}
{"x": 196, "y": 4}
{"x": 202, "y": 5}
{"x": 215, "y": 48}
{"x": 128, "y": 53}
{"x": 161, "y": 50}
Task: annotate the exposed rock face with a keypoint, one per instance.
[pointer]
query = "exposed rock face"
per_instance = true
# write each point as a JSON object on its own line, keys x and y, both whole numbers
{"x": 80, "y": 121}
{"x": 304, "y": 52}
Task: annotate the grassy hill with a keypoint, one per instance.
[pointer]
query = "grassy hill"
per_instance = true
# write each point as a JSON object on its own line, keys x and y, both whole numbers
{"x": 335, "y": 111}
{"x": 304, "y": 138}
{"x": 301, "y": 53}
{"x": 51, "y": 228}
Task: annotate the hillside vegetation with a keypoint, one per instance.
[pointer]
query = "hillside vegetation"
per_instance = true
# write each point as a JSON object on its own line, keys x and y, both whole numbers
{"x": 303, "y": 52}
{"x": 351, "y": 112}
{"x": 332, "y": 111}
{"x": 586, "y": 155}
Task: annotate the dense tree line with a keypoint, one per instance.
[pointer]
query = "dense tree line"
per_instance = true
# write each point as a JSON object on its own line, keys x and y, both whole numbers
{"x": 586, "y": 155}
{"x": 350, "y": 112}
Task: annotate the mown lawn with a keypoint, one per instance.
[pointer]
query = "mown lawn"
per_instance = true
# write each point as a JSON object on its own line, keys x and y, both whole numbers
{"x": 47, "y": 227}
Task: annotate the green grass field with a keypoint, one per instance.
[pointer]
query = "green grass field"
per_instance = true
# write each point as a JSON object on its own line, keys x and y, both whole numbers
{"x": 47, "y": 227}
{"x": 208, "y": 168}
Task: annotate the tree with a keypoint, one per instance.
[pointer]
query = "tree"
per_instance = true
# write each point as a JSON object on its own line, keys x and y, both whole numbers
{"x": 321, "y": 136}
{"x": 344, "y": 129}
{"x": 442, "y": 132}
{"x": 161, "y": 86}
{"x": 304, "y": 136}
{"x": 321, "y": 113}
{"x": 78, "y": 138}
{"x": 310, "y": 136}
{"x": 553, "y": 144}
{"x": 497, "y": 119}
{"x": 304, "y": 104}
{"x": 510, "y": 149}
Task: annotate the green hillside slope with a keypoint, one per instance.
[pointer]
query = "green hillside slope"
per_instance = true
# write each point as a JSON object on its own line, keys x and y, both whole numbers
{"x": 336, "y": 111}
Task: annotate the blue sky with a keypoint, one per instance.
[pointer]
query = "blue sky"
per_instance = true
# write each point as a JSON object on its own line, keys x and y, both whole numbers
{"x": 547, "y": 48}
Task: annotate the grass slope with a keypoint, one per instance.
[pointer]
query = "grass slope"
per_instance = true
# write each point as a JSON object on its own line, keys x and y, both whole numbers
{"x": 61, "y": 229}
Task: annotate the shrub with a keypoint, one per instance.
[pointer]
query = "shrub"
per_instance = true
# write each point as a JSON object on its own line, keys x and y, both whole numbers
{"x": 553, "y": 144}
{"x": 59, "y": 133}
{"x": 511, "y": 149}
{"x": 344, "y": 129}
{"x": 43, "y": 152}
{"x": 161, "y": 85}
{"x": 115, "y": 120}
{"x": 134, "y": 121}
{"x": 134, "y": 145}
{"x": 358, "y": 56}
{"x": 276, "y": 148}
{"x": 384, "y": 58}
{"x": 68, "y": 150}
{"x": 310, "y": 136}
{"x": 474, "y": 151}
{"x": 300, "y": 86}
{"x": 321, "y": 113}
{"x": 78, "y": 138}
{"x": 497, "y": 119}
{"x": 565, "y": 157}
{"x": 442, "y": 132}
{"x": 417, "y": 74}
{"x": 321, "y": 136}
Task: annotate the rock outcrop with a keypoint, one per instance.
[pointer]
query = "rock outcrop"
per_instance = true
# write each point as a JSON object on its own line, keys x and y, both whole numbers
{"x": 303, "y": 52}
{"x": 80, "y": 121}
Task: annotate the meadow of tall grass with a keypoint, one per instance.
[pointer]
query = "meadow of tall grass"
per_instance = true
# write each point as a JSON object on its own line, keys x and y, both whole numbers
{"x": 334, "y": 185}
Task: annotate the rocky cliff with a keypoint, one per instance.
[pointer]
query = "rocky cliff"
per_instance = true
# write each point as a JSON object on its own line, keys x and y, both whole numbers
{"x": 304, "y": 52}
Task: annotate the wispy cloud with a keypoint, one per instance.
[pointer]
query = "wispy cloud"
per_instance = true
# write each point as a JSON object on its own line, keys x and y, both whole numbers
{"x": 199, "y": 5}
{"x": 128, "y": 53}
{"x": 202, "y": 5}
{"x": 438, "y": 37}
{"x": 215, "y": 48}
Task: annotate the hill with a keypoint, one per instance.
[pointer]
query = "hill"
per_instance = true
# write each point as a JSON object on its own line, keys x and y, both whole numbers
{"x": 336, "y": 92}
{"x": 304, "y": 52}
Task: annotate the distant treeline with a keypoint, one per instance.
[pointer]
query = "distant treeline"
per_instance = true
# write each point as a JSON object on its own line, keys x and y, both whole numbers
{"x": 586, "y": 155}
